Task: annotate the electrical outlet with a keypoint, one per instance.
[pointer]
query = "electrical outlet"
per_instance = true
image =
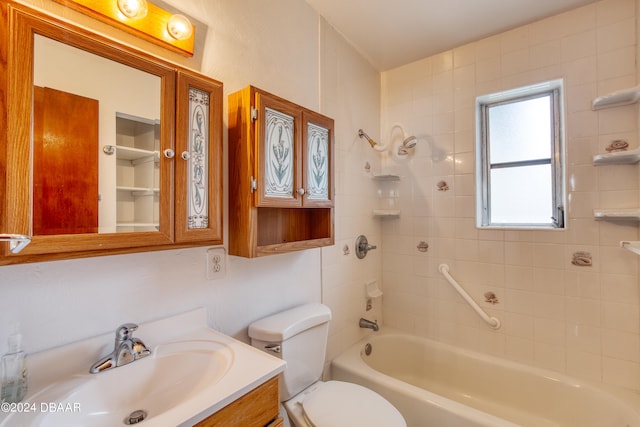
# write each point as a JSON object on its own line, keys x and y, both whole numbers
{"x": 216, "y": 263}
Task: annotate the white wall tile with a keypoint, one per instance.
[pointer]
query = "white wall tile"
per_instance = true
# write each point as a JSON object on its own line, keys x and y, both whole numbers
{"x": 584, "y": 321}
{"x": 584, "y": 365}
{"x": 579, "y": 45}
{"x": 617, "y": 35}
{"x": 620, "y": 372}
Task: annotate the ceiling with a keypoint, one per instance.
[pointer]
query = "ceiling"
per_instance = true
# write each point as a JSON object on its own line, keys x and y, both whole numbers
{"x": 390, "y": 33}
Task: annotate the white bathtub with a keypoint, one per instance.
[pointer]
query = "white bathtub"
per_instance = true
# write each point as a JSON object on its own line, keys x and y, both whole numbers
{"x": 438, "y": 385}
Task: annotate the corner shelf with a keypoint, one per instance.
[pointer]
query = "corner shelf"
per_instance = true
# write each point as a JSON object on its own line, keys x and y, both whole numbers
{"x": 631, "y": 245}
{"x": 617, "y": 214}
{"x": 385, "y": 176}
{"x": 388, "y": 195}
{"x": 628, "y": 157}
{"x": 617, "y": 99}
{"x": 386, "y": 213}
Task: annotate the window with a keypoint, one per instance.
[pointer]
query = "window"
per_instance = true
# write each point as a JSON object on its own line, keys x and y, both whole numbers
{"x": 520, "y": 163}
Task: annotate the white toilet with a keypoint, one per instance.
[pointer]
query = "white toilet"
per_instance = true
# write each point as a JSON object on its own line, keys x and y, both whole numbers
{"x": 299, "y": 336}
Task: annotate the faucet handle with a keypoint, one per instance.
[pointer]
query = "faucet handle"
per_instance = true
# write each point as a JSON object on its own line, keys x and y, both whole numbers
{"x": 125, "y": 331}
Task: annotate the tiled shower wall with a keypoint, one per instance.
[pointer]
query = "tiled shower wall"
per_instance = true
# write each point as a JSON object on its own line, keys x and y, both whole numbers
{"x": 351, "y": 93}
{"x": 580, "y": 320}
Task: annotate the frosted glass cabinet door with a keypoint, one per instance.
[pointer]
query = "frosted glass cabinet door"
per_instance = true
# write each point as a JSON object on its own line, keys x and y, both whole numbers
{"x": 318, "y": 160}
{"x": 279, "y": 164}
{"x": 278, "y": 154}
{"x": 198, "y": 212}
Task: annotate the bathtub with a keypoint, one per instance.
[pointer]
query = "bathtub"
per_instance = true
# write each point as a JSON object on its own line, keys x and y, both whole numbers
{"x": 436, "y": 385}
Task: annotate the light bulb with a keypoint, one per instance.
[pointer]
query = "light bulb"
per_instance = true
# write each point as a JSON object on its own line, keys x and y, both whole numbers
{"x": 134, "y": 9}
{"x": 179, "y": 27}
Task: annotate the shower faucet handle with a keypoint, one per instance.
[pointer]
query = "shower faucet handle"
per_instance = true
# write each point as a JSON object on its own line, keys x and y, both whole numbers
{"x": 363, "y": 246}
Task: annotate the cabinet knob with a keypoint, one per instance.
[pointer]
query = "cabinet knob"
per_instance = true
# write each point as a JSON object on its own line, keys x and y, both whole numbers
{"x": 301, "y": 191}
{"x": 185, "y": 155}
{"x": 169, "y": 153}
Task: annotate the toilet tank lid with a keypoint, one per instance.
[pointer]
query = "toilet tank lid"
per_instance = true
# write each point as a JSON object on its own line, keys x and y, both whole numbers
{"x": 284, "y": 325}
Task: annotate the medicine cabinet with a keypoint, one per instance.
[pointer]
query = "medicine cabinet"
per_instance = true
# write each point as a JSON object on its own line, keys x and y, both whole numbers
{"x": 105, "y": 149}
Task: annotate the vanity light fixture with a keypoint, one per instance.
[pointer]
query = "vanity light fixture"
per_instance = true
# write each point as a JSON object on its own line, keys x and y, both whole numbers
{"x": 134, "y": 9}
{"x": 179, "y": 27}
{"x": 143, "y": 19}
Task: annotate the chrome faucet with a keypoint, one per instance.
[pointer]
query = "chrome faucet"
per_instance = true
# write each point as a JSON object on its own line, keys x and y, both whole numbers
{"x": 364, "y": 323}
{"x": 126, "y": 350}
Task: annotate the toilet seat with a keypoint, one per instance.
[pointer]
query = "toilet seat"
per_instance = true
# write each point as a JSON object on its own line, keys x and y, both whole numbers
{"x": 339, "y": 404}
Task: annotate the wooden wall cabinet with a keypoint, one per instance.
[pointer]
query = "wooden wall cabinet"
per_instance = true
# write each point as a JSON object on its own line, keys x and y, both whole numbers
{"x": 281, "y": 183}
{"x": 170, "y": 189}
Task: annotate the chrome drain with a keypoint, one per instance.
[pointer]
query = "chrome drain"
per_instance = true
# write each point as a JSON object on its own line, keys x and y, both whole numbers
{"x": 135, "y": 417}
{"x": 367, "y": 349}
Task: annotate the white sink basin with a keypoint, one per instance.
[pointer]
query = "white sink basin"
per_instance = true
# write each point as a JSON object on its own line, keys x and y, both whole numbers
{"x": 195, "y": 373}
{"x": 171, "y": 375}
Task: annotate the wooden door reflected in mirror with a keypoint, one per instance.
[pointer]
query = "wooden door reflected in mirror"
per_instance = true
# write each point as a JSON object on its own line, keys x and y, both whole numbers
{"x": 65, "y": 163}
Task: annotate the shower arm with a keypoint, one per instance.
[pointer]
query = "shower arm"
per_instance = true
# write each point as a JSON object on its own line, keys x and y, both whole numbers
{"x": 375, "y": 145}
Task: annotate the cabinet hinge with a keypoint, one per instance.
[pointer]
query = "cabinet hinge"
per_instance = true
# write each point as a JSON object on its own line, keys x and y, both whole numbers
{"x": 254, "y": 114}
{"x": 254, "y": 184}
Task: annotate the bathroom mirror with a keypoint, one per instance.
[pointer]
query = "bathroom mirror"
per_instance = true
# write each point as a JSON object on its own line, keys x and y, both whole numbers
{"x": 90, "y": 128}
{"x": 96, "y": 125}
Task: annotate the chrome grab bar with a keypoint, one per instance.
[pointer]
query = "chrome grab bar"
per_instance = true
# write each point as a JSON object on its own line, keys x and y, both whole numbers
{"x": 491, "y": 321}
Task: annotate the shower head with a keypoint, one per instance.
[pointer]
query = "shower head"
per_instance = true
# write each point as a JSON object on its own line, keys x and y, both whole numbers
{"x": 371, "y": 142}
{"x": 409, "y": 142}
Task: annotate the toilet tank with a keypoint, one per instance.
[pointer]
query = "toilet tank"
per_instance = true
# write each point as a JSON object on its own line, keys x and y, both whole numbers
{"x": 301, "y": 334}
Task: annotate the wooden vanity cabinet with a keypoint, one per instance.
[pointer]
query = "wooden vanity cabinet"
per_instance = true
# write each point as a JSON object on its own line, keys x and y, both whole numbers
{"x": 257, "y": 408}
{"x": 281, "y": 183}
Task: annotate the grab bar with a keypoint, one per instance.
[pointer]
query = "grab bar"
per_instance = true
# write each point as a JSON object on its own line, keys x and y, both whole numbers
{"x": 491, "y": 321}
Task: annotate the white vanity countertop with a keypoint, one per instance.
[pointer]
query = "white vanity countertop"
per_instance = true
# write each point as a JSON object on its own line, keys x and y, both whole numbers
{"x": 250, "y": 368}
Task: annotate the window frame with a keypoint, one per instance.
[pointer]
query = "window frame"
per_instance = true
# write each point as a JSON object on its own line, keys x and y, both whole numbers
{"x": 483, "y": 176}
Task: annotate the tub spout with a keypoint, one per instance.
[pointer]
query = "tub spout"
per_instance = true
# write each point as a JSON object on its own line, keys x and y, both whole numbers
{"x": 364, "y": 323}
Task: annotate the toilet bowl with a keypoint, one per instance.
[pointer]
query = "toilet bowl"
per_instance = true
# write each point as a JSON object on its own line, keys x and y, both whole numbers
{"x": 299, "y": 336}
{"x": 340, "y": 404}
